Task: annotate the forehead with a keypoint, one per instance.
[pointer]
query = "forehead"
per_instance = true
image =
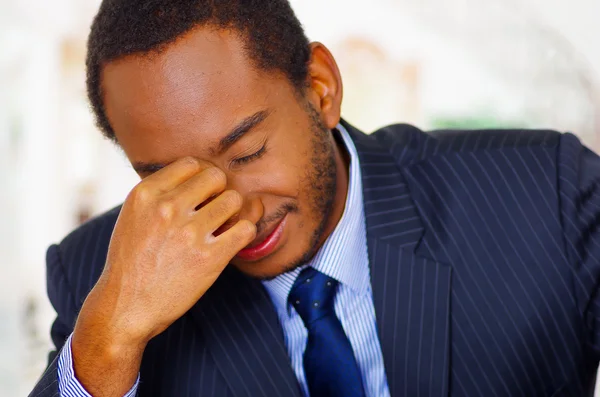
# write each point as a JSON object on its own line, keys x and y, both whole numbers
{"x": 202, "y": 84}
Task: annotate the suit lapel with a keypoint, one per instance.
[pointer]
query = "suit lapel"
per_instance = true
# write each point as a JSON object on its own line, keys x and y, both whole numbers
{"x": 244, "y": 337}
{"x": 411, "y": 292}
{"x": 411, "y": 297}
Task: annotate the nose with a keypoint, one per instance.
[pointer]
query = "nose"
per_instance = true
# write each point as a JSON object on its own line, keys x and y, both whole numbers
{"x": 252, "y": 207}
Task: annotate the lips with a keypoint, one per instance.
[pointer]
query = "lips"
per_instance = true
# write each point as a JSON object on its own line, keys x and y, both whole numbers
{"x": 263, "y": 246}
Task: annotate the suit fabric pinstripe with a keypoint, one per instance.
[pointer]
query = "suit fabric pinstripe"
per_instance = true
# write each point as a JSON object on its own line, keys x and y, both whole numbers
{"x": 484, "y": 252}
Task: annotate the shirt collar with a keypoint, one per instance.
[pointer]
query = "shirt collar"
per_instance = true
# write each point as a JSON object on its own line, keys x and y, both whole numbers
{"x": 343, "y": 256}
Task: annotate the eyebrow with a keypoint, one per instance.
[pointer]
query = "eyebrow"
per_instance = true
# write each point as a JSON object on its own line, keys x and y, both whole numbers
{"x": 240, "y": 130}
{"x": 244, "y": 127}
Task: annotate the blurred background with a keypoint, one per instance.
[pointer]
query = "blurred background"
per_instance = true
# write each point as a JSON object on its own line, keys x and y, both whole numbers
{"x": 433, "y": 63}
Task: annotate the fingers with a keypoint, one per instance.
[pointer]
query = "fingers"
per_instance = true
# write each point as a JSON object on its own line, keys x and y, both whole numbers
{"x": 197, "y": 189}
{"x": 236, "y": 238}
{"x": 218, "y": 211}
{"x": 173, "y": 175}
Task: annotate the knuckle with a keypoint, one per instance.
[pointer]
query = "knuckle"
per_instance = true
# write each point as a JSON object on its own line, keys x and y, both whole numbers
{"x": 233, "y": 198}
{"x": 190, "y": 162}
{"x": 189, "y": 234}
{"x": 219, "y": 209}
{"x": 205, "y": 256}
{"x": 166, "y": 210}
{"x": 140, "y": 193}
{"x": 248, "y": 228}
{"x": 217, "y": 176}
{"x": 229, "y": 202}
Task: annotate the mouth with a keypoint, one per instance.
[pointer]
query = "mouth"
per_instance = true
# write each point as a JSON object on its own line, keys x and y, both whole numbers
{"x": 263, "y": 245}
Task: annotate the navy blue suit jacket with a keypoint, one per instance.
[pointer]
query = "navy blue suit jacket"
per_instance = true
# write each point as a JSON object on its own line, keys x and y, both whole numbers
{"x": 484, "y": 251}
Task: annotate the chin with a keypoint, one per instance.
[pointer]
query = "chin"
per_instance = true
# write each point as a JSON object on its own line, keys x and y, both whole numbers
{"x": 268, "y": 268}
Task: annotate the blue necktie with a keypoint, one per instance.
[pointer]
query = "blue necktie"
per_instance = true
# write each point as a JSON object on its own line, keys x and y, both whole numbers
{"x": 329, "y": 363}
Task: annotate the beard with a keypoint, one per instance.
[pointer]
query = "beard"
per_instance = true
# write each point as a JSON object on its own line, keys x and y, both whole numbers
{"x": 319, "y": 184}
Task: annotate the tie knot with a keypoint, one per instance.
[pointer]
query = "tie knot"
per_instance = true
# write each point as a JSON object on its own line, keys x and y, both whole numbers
{"x": 312, "y": 295}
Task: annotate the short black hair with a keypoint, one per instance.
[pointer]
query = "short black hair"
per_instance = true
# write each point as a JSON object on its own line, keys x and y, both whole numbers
{"x": 274, "y": 37}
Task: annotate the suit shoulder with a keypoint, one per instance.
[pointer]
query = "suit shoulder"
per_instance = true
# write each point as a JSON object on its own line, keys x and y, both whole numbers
{"x": 81, "y": 255}
{"x": 422, "y": 144}
{"x": 90, "y": 238}
{"x": 492, "y": 139}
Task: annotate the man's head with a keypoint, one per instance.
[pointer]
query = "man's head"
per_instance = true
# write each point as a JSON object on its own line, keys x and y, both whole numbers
{"x": 235, "y": 83}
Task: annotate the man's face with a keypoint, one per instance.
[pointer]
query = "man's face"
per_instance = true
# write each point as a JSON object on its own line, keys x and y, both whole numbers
{"x": 187, "y": 101}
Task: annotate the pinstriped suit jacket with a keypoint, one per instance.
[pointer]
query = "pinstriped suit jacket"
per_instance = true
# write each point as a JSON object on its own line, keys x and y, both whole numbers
{"x": 484, "y": 252}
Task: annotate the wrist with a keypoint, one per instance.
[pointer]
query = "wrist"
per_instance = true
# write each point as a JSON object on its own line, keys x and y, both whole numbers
{"x": 105, "y": 344}
{"x": 101, "y": 319}
{"x": 96, "y": 353}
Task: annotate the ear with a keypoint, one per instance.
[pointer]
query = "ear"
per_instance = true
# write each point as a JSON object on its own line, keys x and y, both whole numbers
{"x": 325, "y": 89}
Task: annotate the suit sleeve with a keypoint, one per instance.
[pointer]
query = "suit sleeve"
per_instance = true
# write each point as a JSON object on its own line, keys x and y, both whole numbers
{"x": 61, "y": 298}
{"x": 579, "y": 186}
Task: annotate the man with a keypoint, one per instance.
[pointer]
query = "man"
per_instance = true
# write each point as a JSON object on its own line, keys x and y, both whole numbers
{"x": 271, "y": 249}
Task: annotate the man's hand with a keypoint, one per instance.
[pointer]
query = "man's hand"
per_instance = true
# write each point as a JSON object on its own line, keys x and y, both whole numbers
{"x": 162, "y": 258}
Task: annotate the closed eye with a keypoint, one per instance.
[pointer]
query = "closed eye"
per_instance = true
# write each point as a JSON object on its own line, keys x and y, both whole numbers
{"x": 251, "y": 157}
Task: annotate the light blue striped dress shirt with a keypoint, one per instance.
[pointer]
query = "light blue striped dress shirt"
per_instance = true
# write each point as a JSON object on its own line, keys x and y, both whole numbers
{"x": 343, "y": 257}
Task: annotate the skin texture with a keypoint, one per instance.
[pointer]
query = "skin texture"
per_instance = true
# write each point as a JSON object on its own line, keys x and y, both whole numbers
{"x": 170, "y": 113}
